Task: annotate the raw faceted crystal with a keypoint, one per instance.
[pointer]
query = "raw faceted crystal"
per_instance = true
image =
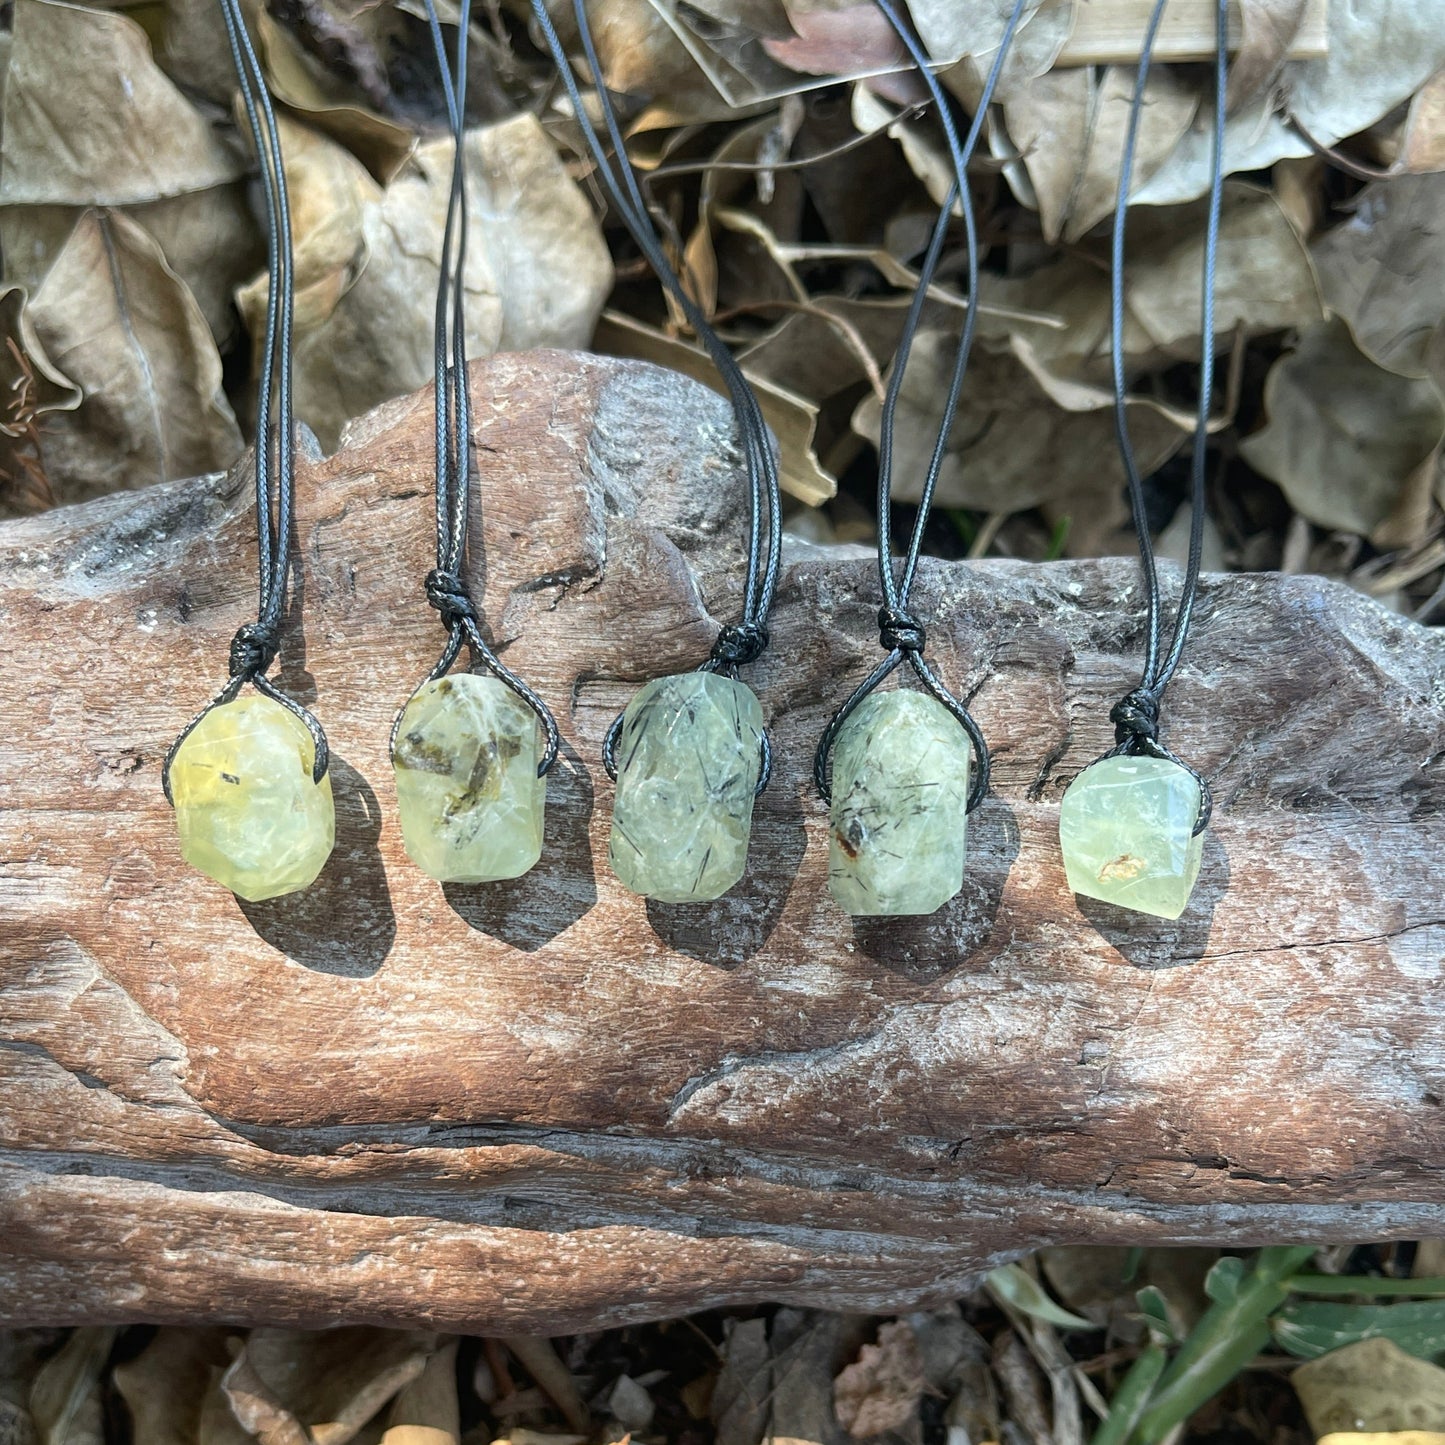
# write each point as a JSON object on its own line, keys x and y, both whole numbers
{"x": 689, "y": 757}
{"x": 248, "y": 813}
{"x": 1126, "y": 826}
{"x": 467, "y": 789}
{"x": 900, "y": 799}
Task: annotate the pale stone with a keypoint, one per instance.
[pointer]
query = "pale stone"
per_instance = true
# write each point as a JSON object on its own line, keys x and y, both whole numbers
{"x": 900, "y": 802}
{"x": 1126, "y": 827}
{"x": 467, "y": 791}
{"x": 689, "y": 756}
{"x": 248, "y": 812}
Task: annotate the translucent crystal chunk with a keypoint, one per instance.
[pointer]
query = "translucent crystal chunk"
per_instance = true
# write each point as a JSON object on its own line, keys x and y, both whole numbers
{"x": 1126, "y": 827}
{"x": 248, "y": 813}
{"x": 689, "y": 756}
{"x": 467, "y": 791}
{"x": 900, "y": 800}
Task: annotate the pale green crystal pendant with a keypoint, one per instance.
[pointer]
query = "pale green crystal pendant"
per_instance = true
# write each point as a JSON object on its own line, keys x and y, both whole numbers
{"x": 689, "y": 756}
{"x": 467, "y": 791}
{"x": 1126, "y": 826}
{"x": 248, "y": 812}
{"x": 900, "y": 800}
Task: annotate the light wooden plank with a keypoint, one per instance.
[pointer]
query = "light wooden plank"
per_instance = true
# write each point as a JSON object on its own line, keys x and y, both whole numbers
{"x": 1111, "y": 32}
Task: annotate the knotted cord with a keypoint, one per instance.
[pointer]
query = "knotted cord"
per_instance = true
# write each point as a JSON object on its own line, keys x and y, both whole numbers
{"x": 446, "y": 586}
{"x": 255, "y": 645}
{"x": 744, "y": 641}
{"x": 1136, "y": 715}
{"x": 900, "y": 632}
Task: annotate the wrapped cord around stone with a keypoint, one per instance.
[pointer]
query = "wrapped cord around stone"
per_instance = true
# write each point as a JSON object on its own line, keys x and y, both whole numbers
{"x": 901, "y": 633}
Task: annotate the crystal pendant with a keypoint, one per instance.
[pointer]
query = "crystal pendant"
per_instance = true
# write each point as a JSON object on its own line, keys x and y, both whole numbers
{"x": 900, "y": 801}
{"x": 467, "y": 791}
{"x": 1126, "y": 827}
{"x": 689, "y": 756}
{"x": 247, "y": 810}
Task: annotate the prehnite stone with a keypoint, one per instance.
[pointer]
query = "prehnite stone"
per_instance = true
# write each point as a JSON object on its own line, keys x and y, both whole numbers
{"x": 467, "y": 790}
{"x": 689, "y": 756}
{"x": 1126, "y": 826}
{"x": 900, "y": 801}
{"x": 248, "y": 813}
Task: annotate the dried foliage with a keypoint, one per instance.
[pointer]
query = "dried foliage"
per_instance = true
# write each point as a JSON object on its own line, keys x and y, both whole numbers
{"x": 130, "y": 308}
{"x": 1043, "y": 1353}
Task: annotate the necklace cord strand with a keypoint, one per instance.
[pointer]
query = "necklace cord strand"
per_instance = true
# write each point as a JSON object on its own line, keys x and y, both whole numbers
{"x": 900, "y": 632}
{"x": 255, "y": 645}
{"x": 745, "y": 641}
{"x": 445, "y": 586}
{"x": 1136, "y": 714}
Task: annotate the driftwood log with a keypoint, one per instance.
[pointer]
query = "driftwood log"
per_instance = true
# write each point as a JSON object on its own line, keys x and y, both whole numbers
{"x": 548, "y": 1105}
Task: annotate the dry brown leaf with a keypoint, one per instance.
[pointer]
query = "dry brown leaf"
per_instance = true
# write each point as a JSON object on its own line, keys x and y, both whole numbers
{"x": 976, "y": 29}
{"x": 91, "y": 119}
{"x": 792, "y": 419}
{"x": 1023, "y": 1387}
{"x": 1380, "y": 52}
{"x": 21, "y": 1353}
{"x": 298, "y": 81}
{"x": 31, "y": 390}
{"x": 740, "y": 1397}
{"x": 1343, "y": 435}
{"x": 1422, "y": 148}
{"x": 193, "y": 49}
{"x": 1383, "y": 1437}
{"x": 1383, "y": 270}
{"x": 805, "y": 1347}
{"x": 1069, "y": 128}
{"x": 1264, "y": 283}
{"x": 209, "y": 239}
{"x": 1014, "y": 446}
{"x": 539, "y": 1358}
{"x": 367, "y": 261}
{"x": 881, "y": 1390}
{"x": 1372, "y": 1385}
{"x": 1268, "y": 30}
{"x": 300, "y": 1387}
{"x": 118, "y": 321}
{"x": 427, "y": 1411}
{"x": 64, "y": 1402}
{"x": 852, "y": 40}
{"x": 166, "y": 1385}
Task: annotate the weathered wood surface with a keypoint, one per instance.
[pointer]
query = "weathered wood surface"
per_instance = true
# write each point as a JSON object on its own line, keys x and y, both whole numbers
{"x": 549, "y": 1105}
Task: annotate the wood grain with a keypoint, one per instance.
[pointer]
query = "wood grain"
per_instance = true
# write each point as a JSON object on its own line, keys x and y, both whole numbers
{"x": 548, "y": 1105}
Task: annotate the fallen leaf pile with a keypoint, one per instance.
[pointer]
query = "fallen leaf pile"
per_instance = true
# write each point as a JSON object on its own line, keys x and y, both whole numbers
{"x": 794, "y": 172}
{"x": 1033, "y": 1357}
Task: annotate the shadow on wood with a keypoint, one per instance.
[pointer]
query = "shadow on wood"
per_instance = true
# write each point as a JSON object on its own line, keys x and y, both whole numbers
{"x": 549, "y": 1106}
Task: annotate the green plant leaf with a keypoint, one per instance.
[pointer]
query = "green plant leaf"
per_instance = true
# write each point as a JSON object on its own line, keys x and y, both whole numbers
{"x": 1019, "y": 1288}
{"x": 1310, "y": 1328}
{"x": 1367, "y": 1284}
{"x": 1131, "y": 1397}
{"x": 1155, "y": 1309}
{"x": 1230, "y": 1333}
{"x": 1222, "y": 1282}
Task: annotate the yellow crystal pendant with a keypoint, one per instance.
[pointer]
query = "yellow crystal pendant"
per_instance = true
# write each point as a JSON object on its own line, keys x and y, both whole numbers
{"x": 467, "y": 791}
{"x": 900, "y": 803}
{"x": 689, "y": 757}
{"x": 248, "y": 813}
{"x": 1126, "y": 827}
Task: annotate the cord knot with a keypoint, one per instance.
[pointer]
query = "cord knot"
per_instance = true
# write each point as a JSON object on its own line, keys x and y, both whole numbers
{"x": 740, "y": 645}
{"x": 1135, "y": 717}
{"x": 253, "y": 649}
{"x": 448, "y": 594}
{"x": 900, "y": 631}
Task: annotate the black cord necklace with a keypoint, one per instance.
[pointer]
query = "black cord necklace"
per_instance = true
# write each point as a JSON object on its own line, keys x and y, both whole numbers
{"x": 470, "y": 752}
{"x": 891, "y": 765}
{"x": 1131, "y": 824}
{"x": 248, "y": 775}
{"x": 689, "y": 753}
